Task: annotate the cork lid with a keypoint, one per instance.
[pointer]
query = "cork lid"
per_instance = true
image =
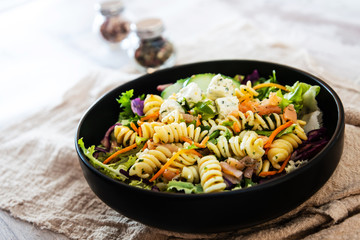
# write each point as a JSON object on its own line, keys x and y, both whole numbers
{"x": 149, "y": 28}
{"x": 111, "y": 7}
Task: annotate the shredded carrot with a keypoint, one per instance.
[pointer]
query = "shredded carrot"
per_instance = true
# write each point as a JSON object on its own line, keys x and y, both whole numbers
{"x": 188, "y": 140}
{"x": 262, "y": 85}
{"x": 204, "y": 141}
{"x": 167, "y": 164}
{"x": 139, "y": 123}
{"x": 119, "y": 152}
{"x": 276, "y": 132}
{"x": 153, "y": 115}
{"x": 244, "y": 98}
{"x": 235, "y": 113}
{"x": 236, "y": 127}
{"x": 199, "y": 145}
{"x": 198, "y": 123}
{"x": 284, "y": 164}
{"x": 133, "y": 126}
{"x": 140, "y": 132}
{"x": 269, "y": 173}
{"x": 145, "y": 146}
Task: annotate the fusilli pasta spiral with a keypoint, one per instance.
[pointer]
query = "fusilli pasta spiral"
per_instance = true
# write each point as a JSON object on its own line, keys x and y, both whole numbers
{"x": 147, "y": 129}
{"x": 124, "y": 135}
{"x": 247, "y": 143}
{"x": 149, "y": 161}
{"x": 210, "y": 174}
{"x": 174, "y": 132}
{"x": 173, "y": 117}
{"x": 282, "y": 147}
{"x": 152, "y": 104}
{"x": 245, "y": 92}
{"x": 191, "y": 174}
{"x": 253, "y": 121}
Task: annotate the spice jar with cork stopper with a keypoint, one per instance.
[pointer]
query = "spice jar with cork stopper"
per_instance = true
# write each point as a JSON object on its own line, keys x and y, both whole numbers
{"x": 110, "y": 23}
{"x": 154, "y": 50}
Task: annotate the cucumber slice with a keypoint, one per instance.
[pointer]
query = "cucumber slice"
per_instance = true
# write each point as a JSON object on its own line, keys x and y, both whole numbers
{"x": 202, "y": 80}
{"x": 173, "y": 88}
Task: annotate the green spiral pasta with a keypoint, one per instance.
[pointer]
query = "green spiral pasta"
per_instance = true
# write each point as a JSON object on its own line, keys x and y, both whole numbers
{"x": 210, "y": 174}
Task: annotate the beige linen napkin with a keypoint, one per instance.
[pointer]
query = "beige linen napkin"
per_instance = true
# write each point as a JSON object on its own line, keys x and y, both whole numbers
{"x": 42, "y": 183}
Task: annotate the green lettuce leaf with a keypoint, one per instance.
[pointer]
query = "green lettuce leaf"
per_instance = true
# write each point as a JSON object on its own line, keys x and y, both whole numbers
{"x": 111, "y": 170}
{"x": 302, "y": 96}
{"x": 265, "y": 92}
{"x": 127, "y": 115}
{"x": 283, "y": 132}
{"x": 248, "y": 182}
{"x": 187, "y": 187}
{"x": 139, "y": 184}
{"x": 205, "y": 109}
{"x": 125, "y": 103}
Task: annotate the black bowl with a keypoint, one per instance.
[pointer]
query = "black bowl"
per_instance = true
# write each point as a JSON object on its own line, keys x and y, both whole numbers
{"x": 213, "y": 212}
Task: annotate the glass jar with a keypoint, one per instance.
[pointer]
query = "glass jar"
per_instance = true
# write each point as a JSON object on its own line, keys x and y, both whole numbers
{"x": 154, "y": 50}
{"x": 110, "y": 23}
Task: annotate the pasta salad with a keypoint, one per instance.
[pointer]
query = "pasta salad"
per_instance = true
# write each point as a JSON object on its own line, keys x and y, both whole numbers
{"x": 211, "y": 133}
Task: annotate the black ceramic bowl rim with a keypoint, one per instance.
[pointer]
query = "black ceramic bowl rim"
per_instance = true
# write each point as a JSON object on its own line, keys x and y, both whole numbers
{"x": 340, "y": 126}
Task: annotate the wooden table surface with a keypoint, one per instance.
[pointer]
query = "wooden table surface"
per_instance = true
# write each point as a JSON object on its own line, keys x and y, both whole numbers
{"x": 46, "y": 46}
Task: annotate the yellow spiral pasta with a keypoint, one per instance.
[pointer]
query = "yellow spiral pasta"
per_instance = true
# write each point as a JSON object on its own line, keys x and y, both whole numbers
{"x": 210, "y": 174}
{"x": 147, "y": 129}
{"x": 240, "y": 120}
{"x": 282, "y": 147}
{"x": 235, "y": 143}
{"x": 221, "y": 148}
{"x": 252, "y": 144}
{"x": 209, "y": 123}
{"x": 184, "y": 159}
{"x": 264, "y": 167}
{"x": 174, "y": 132}
{"x": 152, "y": 104}
{"x": 245, "y": 92}
{"x": 173, "y": 117}
{"x": 124, "y": 135}
{"x": 150, "y": 161}
{"x": 191, "y": 174}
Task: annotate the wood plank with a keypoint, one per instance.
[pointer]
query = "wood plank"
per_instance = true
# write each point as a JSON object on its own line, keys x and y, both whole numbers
{"x": 16, "y": 229}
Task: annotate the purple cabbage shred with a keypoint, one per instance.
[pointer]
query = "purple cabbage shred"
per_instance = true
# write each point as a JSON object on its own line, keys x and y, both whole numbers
{"x": 317, "y": 139}
{"x": 137, "y": 106}
{"x": 106, "y": 140}
{"x": 253, "y": 77}
{"x": 126, "y": 173}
